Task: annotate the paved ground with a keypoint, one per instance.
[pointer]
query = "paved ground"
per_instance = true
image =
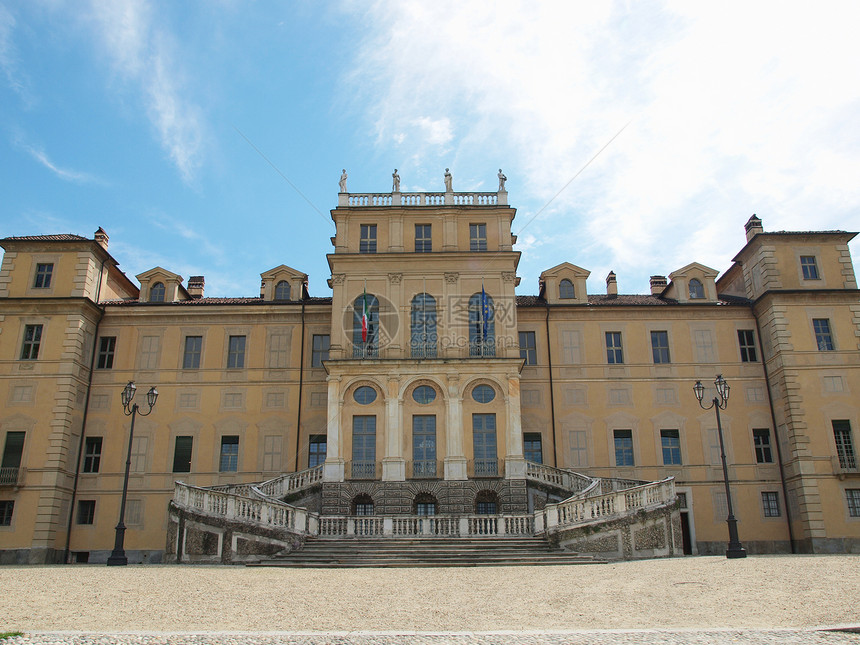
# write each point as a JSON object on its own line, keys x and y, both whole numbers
{"x": 775, "y": 600}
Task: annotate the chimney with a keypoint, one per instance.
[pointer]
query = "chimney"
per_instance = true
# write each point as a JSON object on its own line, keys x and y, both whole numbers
{"x": 611, "y": 284}
{"x": 753, "y": 227}
{"x": 195, "y": 286}
{"x": 101, "y": 237}
{"x": 658, "y": 284}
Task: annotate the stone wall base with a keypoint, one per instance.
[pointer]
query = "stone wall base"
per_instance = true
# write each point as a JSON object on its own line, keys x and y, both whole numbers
{"x": 398, "y": 498}
{"x": 753, "y": 547}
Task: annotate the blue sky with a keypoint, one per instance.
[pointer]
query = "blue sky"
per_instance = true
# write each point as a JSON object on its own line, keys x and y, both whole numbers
{"x": 208, "y": 137}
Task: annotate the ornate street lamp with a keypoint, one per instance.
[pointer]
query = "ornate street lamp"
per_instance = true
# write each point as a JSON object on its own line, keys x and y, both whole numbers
{"x": 735, "y": 549}
{"x": 117, "y": 557}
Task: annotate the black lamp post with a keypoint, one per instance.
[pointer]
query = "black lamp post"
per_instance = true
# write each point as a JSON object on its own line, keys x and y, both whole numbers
{"x": 117, "y": 557}
{"x": 735, "y": 548}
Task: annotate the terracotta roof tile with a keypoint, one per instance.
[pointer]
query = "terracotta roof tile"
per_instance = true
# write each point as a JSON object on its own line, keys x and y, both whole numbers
{"x": 59, "y": 237}
{"x": 218, "y": 301}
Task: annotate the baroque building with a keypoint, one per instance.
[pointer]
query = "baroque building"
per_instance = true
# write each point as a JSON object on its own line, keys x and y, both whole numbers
{"x": 425, "y": 387}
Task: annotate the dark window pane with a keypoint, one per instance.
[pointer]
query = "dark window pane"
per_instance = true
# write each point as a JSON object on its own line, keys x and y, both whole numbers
{"x": 92, "y": 454}
{"x": 107, "y": 348}
{"x": 182, "y": 454}
{"x": 623, "y": 447}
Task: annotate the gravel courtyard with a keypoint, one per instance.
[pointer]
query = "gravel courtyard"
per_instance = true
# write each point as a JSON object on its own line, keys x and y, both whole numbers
{"x": 698, "y": 592}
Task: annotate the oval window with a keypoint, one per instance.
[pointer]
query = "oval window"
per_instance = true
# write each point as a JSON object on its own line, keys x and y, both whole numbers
{"x": 483, "y": 394}
{"x": 424, "y": 394}
{"x": 364, "y": 395}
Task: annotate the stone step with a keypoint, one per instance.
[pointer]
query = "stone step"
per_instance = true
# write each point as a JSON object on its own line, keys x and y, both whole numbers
{"x": 426, "y": 552}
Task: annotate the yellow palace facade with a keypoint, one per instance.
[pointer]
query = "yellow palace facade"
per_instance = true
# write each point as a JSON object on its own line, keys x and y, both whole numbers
{"x": 423, "y": 384}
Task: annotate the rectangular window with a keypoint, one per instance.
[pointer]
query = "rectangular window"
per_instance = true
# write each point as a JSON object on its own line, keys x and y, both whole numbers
{"x": 6, "y": 508}
{"x": 614, "y": 355}
{"x": 316, "y": 450}
{"x": 823, "y": 336}
{"x": 236, "y": 352}
{"x": 32, "y": 340}
{"x": 844, "y": 444}
{"x": 763, "y": 452}
{"x": 477, "y": 237}
{"x": 670, "y": 441}
{"x": 272, "y": 452}
{"x": 570, "y": 347}
{"x": 623, "y": 447}
{"x": 182, "y": 454}
{"x": 44, "y": 272}
{"x": 368, "y": 239}
{"x": 484, "y": 445}
{"x": 364, "y": 447}
{"x": 713, "y": 452}
{"x": 852, "y": 496}
{"x": 229, "y": 454}
{"x": 660, "y": 347}
{"x": 149, "y": 352}
{"x": 139, "y": 446}
{"x": 424, "y": 445}
{"x": 809, "y": 267}
{"x": 92, "y": 454}
{"x": 133, "y": 512}
{"x": 191, "y": 355}
{"x": 423, "y": 241}
{"x": 532, "y": 447}
{"x": 107, "y": 348}
{"x": 528, "y": 350}
{"x": 770, "y": 504}
{"x": 86, "y": 511}
{"x": 12, "y": 453}
{"x": 321, "y": 345}
{"x": 278, "y": 348}
{"x": 746, "y": 342}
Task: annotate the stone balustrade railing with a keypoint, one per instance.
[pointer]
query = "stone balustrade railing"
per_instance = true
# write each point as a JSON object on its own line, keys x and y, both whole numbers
{"x": 425, "y": 525}
{"x": 291, "y": 482}
{"x": 377, "y": 200}
{"x": 230, "y": 506}
{"x": 585, "y": 510}
{"x": 564, "y": 479}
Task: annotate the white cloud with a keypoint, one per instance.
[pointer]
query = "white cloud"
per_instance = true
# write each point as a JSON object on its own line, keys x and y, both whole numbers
{"x": 734, "y": 108}
{"x": 143, "y": 53}
{"x": 9, "y": 57}
{"x": 63, "y": 173}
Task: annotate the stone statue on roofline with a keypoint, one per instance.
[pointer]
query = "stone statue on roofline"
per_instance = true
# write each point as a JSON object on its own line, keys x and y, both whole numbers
{"x": 448, "y": 181}
{"x": 342, "y": 183}
{"x": 396, "y": 178}
{"x": 502, "y": 180}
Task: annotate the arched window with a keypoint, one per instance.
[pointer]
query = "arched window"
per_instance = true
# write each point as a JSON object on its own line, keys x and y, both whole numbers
{"x": 365, "y": 327}
{"x": 482, "y": 326}
{"x": 483, "y": 393}
{"x": 487, "y": 502}
{"x": 364, "y": 395}
{"x": 566, "y": 290}
{"x": 423, "y": 326}
{"x": 696, "y": 289}
{"x": 424, "y": 394}
{"x": 362, "y": 504}
{"x": 282, "y": 290}
{"x": 425, "y": 504}
{"x": 156, "y": 293}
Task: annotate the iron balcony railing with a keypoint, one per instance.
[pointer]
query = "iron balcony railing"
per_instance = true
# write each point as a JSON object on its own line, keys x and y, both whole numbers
{"x": 362, "y": 470}
{"x": 482, "y": 350}
{"x": 486, "y": 467}
{"x": 424, "y": 351}
{"x": 365, "y": 352}
{"x": 425, "y": 469}
{"x": 10, "y": 475}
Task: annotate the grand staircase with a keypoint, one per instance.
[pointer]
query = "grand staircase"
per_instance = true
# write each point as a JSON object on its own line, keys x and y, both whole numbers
{"x": 252, "y": 523}
{"x": 425, "y": 552}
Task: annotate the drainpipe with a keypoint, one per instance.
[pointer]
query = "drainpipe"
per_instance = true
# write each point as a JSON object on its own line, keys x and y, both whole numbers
{"x": 101, "y": 309}
{"x": 301, "y": 382}
{"x": 551, "y": 395}
{"x": 775, "y": 435}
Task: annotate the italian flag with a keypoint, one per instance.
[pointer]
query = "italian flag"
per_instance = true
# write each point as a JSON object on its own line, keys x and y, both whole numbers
{"x": 364, "y": 316}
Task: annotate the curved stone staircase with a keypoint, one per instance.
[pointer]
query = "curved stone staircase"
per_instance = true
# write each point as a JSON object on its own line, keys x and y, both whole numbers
{"x": 251, "y": 523}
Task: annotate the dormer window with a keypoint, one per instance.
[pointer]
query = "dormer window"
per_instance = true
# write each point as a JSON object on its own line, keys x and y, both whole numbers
{"x": 696, "y": 289}
{"x": 566, "y": 290}
{"x": 282, "y": 290}
{"x": 156, "y": 293}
